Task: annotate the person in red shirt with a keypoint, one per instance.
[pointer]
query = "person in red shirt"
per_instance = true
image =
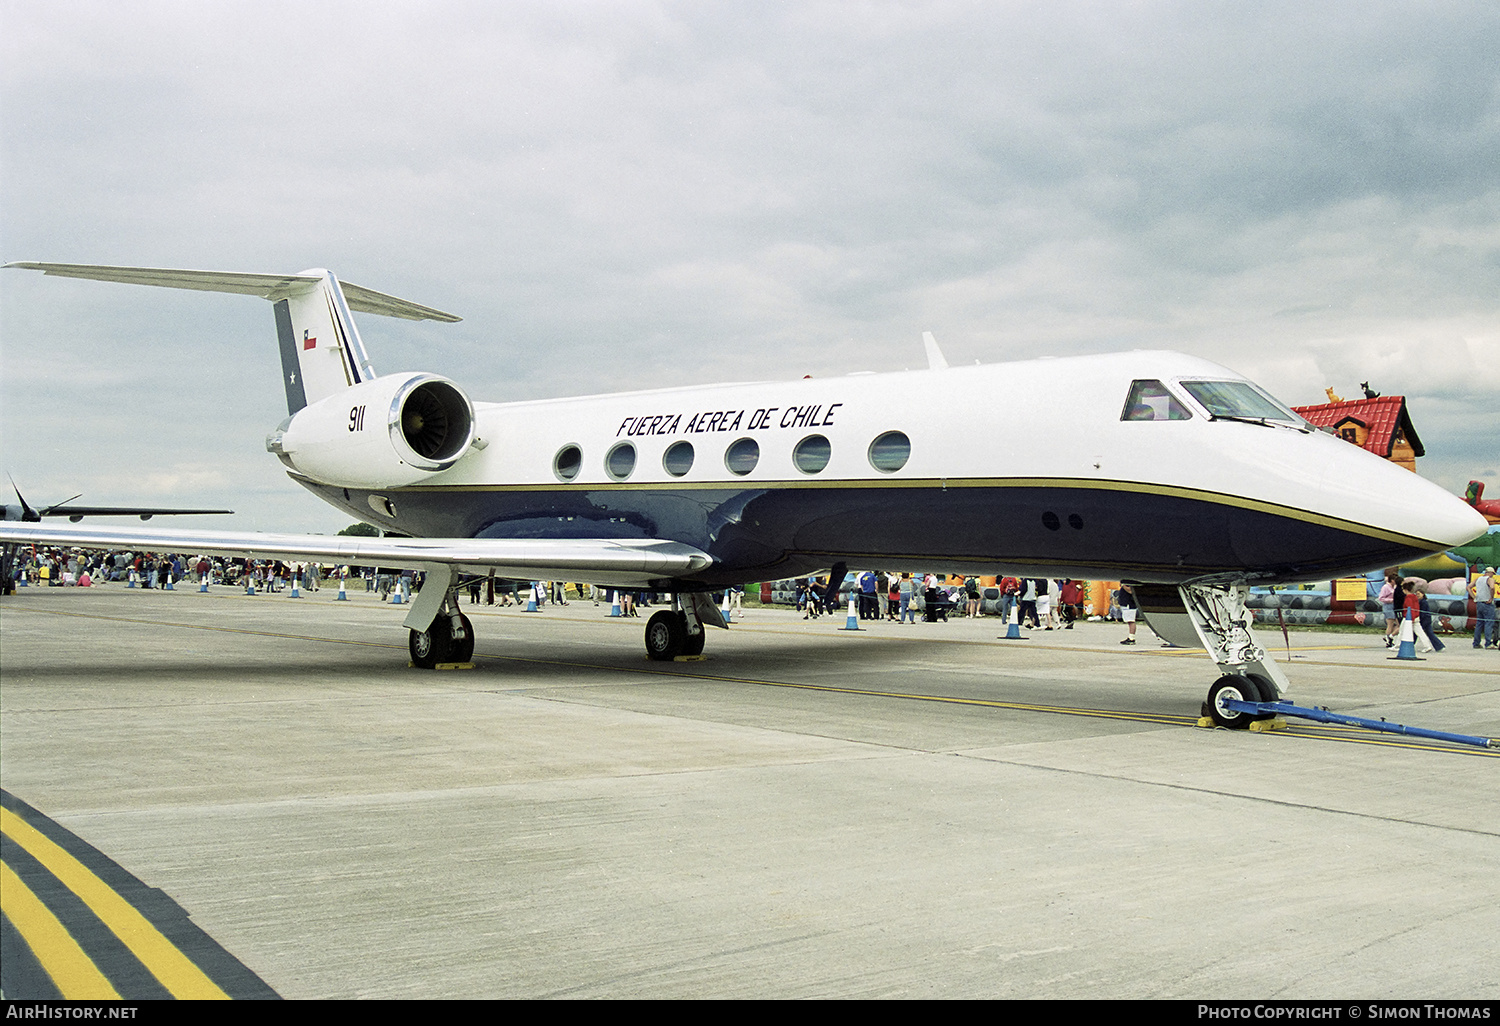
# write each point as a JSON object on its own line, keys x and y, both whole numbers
{"x": 1071, "y": 599}
{"x": 1411, "y": 602}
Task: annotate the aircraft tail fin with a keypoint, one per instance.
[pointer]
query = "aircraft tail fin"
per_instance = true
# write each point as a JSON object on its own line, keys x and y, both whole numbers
{"x": 935, "y": 358}
{"x": 321, "y": 351}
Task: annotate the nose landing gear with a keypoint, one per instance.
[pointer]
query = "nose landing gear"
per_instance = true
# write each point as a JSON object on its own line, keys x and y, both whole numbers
{"x": 1238, "y": 687}
{"x": 1222, "y": 623}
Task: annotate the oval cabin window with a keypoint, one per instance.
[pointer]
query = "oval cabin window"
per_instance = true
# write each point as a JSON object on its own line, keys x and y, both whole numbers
{"x": 742, "y": 456}
{"x": 678, "y": 459}
{"x": 890, "y": 451}
{"x": 811, "y": 454}
{"x": 620, "y": 461}
{"x": 567, "y": 462}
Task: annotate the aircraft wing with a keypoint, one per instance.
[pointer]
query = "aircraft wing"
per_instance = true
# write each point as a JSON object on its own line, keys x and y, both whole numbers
{"x": 76, "y": 513}
{"x": 621, "y": 562}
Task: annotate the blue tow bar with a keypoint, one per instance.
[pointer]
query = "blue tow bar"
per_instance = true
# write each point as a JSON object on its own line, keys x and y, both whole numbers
{"x": 1324, "y": 716}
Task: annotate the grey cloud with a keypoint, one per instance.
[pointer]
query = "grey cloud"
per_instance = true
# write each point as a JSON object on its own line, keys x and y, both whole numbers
{"x": 624, "y": 195}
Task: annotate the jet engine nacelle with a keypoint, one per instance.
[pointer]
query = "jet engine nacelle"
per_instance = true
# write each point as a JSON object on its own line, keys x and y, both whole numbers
{"x": 391, "y": 431}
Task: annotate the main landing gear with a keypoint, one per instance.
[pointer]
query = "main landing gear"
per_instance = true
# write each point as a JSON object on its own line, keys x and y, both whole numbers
{"x": 679, "y": 631}
{"x": 439, "y": 633}
{"x": 450, "y": 639}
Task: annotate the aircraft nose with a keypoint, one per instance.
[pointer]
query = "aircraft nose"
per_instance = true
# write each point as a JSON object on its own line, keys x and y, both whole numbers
{"x": 1464, "y": 525}
{"x": 1438, "y": 515}
{"x": 1389, "y": 498}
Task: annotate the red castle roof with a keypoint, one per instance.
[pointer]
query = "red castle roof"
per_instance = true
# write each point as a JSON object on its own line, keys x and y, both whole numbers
{"x": 1382, "y": 416}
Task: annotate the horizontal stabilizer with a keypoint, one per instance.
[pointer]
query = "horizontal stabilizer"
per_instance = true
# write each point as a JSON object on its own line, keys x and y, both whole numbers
{"x": 369, "y": 301}
{"x": 266, "y": 286}
{"x": 597, "y": 560}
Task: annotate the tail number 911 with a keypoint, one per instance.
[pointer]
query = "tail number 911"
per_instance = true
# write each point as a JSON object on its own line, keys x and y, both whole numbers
{"x": 357, "y": 419}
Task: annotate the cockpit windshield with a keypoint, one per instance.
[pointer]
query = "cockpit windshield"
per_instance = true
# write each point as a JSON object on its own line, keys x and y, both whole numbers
{"x": 1239, "y": 400}
{"x": 1150, "y": 400}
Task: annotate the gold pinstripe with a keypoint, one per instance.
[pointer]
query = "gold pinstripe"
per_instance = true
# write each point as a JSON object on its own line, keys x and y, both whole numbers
{"x": 1083, "y": 484}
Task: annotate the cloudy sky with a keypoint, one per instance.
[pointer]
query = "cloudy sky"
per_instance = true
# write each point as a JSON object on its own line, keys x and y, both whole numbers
{"x": 632, "y": 194}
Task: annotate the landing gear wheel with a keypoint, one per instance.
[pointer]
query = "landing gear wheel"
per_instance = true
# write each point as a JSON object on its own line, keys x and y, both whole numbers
{"x": 432, "y": 646}
{"x": 463, "y": 651}
{"x": 665, "y": 635}
{"x": 692, "y": 644}
{"x": 1234, "y": 686}
{"x": 1267, "y": 694}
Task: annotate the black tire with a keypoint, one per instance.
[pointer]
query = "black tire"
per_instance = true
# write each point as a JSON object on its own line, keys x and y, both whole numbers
{"x": 1231, "y": 685}
{"x": 692, "y": 644}
{"x": 1267, "y": 693}
{"x": 463, "y": 651}
{"x": 430, "y": 647}
{"x": 665, "y": 635}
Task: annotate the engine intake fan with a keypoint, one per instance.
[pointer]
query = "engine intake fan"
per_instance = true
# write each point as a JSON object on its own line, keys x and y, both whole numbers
{"x": 435, "y": 423}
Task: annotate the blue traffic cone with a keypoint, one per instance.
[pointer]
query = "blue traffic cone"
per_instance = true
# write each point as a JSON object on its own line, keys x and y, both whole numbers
{"x": 294, "y": 593}
{"x": 249, "y": 585}
{"x": 203, "y": 584}
{"x": 130, "y": 582}
{"x": 1408, "y": 646}
{"x": 614, "y": 603}
{"x": 342, "y": 597}
{"x": 1013, "y": 630}
{"x": 531, "y": 600}
{"x": 168, "y": 586}
{"x": 852, "y": 624}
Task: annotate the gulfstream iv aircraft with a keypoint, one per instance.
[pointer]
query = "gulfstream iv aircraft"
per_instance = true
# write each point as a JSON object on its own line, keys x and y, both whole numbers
{"x": 1166, "y": 471}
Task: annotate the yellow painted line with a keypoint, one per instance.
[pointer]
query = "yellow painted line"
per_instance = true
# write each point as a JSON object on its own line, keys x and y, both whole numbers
{"x": 1292, "y": 730}
{"x": 1041, "y": 645}
{"x": 76, "y": 975}
{"x": 210, "y": 627}
{"x": 1165, "y": 719}
{"x": 1355, "y": 736}
{"x": 1392, "y": 663}
{"x": 1113, "y": 714}
{"x": 176, "y": 971}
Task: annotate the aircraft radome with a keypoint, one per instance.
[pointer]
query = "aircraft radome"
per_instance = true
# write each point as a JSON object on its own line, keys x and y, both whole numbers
{"x": 1167, "y": 471}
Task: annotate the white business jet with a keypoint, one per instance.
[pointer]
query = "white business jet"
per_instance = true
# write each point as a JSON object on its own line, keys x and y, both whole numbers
{"x": 1155, "y": 468}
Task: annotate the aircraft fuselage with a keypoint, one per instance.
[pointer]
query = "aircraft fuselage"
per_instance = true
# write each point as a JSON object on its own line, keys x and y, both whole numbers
{"x": 1028, "y": 468}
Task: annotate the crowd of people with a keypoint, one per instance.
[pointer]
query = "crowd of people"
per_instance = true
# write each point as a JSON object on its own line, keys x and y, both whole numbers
{"x": 85, "y": 568}
{"x": 1039, "y": 603}
{"x": 1403, "y": 599}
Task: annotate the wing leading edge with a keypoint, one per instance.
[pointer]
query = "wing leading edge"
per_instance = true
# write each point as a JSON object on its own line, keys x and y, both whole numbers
{"x": 596, "y": 560}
